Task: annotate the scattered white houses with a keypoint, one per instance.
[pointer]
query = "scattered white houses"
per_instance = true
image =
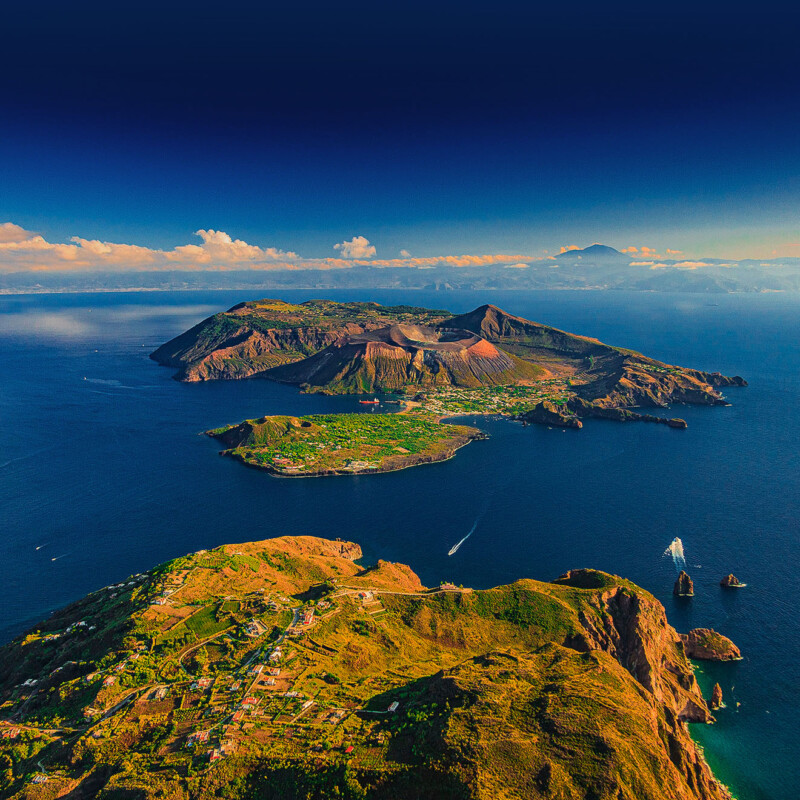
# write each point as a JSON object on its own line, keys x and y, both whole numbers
{"x": 393, "y": 707}
{"x": 75, "y": 625}
{"x": 275, "y": 655}
{"x": 109, "y": 681}
{"x": 161, "y": 693}
{"x": 235, "y": 686}
{"x": 270, "y": 681}
{"x": 39, "y": 778}
{"x": 256, "y": 669}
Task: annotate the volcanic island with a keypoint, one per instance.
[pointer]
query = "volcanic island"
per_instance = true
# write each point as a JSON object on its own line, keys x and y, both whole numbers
{"x": 433, "y": 364}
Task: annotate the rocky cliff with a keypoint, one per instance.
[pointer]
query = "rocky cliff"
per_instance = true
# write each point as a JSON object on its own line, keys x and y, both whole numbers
{"x": 708, "y": 645}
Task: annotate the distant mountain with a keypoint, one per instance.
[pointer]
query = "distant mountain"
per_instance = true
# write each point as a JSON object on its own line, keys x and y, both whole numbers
{"x": 595, "y": 267}
{"x": 595, "y": 252}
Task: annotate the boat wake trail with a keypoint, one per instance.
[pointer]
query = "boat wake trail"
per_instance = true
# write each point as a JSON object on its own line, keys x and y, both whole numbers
{"x": 675, "y": 550}
{"x": 455, "y": 547}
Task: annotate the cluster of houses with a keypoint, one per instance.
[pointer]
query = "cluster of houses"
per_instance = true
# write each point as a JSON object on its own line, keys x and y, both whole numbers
{"x": 115, "y": 589}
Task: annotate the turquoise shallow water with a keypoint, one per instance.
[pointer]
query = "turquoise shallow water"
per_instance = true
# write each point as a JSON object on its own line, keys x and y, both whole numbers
{"x": 109, "y": 475}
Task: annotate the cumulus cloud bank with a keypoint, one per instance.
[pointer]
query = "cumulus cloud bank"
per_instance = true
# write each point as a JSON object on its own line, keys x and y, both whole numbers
{"x": 26, "y": 251}
{"x": 357, "y": 247}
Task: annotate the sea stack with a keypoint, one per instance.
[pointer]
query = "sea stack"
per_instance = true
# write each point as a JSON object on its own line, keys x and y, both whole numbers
{"x": 730, "y": 582}
{"x": 716, "y": 697}
{"x": 708, "y": 645}
{"x": 683, "y": 586}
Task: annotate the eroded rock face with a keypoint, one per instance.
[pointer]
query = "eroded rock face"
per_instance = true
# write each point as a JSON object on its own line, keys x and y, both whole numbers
{"x": 637, "y": 634}
{"x": 683, "y": 586}
{"x": 547, "y": 413}
{"x": 708, "y": 645}
{"x": 730, "y": 582}
{"x": 585, "y": 408}
{"x": 716, "y": 697}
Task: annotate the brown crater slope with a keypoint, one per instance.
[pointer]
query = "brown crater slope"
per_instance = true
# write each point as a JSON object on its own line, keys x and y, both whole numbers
{"x": 398, "y": 356}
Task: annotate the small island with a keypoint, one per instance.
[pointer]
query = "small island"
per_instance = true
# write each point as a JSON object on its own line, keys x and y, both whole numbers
{"x": 486, "y": 361}
{"x": 287, "y": 670}
{"x": 341, "y": 444}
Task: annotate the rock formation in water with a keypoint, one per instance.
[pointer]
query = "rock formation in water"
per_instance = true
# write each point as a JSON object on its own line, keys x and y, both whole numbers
{"x": 683, "y": 585}
{"x": 716, "y": 697}
{"x": 584, "y": 408}
{"x": 548, "y": 413}
{"x": 708, "y": 645}
{"x": 730, "y": 582}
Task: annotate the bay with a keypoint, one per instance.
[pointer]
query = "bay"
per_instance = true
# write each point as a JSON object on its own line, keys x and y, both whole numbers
{"x": 104, "y": 472}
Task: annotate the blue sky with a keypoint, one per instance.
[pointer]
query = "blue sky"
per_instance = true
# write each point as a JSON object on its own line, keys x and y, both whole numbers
{"x": 457, "y": 128}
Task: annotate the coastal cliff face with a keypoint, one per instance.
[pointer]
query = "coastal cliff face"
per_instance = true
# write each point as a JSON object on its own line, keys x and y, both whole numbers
{"x": 158, "y": 687}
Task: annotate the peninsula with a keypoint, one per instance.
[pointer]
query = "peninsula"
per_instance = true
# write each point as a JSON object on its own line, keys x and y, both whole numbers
{"x": 285, "y": 669}
{"x": 342, "y": 444}
{"x": 484, "y": 362}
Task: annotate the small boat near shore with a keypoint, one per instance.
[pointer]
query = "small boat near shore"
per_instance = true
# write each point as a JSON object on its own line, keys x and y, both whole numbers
{"x": 373, "y": 402}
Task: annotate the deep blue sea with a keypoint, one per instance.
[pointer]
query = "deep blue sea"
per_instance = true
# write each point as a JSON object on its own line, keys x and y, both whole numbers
{"x": 103, "y": 473}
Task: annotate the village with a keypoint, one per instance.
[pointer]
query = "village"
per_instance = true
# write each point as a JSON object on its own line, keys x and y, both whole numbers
{"x": 511, "y": 400}
{"x": 256, "y": 673}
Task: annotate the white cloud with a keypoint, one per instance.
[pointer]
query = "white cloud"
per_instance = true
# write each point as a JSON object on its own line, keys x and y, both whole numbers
{"x": 357, "y": 247}
{"x": 24, "y": 251}
{"x": 21, "y": 251}
{"x": 517, "y": 266}
{"x": 9, "y": 232}
{"x": 568, "y": 248}
{"x": 405, "y": 254}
